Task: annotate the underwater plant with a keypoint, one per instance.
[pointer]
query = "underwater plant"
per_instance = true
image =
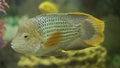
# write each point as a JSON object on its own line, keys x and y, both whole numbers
{"x": 3, "y": 42}
{"x": 12, "y": 26}
{"x": 12, "y": 20}
{"x": 93, "y": 57}
{"x": 116, "y": 61}
{"x": 3, "y": 3}
{"x": 48, "y": 7}
{"x": 2, "y": 9}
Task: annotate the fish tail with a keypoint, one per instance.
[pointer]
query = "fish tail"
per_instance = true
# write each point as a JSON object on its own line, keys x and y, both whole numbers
{"x": 91, "y": 29}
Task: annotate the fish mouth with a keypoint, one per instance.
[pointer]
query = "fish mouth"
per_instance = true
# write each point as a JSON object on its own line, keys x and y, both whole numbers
{"x": 22, "y": 50}
{"x": 19, "y": 49}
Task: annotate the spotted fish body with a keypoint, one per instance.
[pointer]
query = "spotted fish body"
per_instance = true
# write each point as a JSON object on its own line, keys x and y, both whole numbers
{"x": 56, "y": 27}
{"x": 48, "y": 33}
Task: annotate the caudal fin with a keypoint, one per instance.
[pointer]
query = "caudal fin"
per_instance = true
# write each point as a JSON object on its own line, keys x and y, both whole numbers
{"x": 96, "y": 29}
{"x": 91, "y": 28}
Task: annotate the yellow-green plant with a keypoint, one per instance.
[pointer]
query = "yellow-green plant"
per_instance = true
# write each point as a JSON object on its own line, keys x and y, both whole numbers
{"x": 48, "y": 7}
{"x": 93, "y": 57}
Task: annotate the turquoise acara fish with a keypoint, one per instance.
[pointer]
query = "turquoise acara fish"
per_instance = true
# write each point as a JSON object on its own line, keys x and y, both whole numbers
{"x": 48, "y": 33}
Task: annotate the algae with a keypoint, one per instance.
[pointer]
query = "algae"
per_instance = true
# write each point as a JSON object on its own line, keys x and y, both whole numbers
{"x": 93, "y": 57}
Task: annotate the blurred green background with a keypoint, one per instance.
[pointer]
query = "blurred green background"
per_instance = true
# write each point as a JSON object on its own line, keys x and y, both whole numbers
{"x": 106, "y": 10}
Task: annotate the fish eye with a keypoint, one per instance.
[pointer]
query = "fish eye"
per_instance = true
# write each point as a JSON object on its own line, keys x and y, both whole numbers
{"x": 25, "y": 35}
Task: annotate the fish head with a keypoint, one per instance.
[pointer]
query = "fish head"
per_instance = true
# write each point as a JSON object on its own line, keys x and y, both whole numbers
{"x": 27, "y": 39}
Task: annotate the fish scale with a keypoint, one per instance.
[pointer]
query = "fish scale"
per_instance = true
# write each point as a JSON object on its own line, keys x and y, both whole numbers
{"x": 49, "y": 25}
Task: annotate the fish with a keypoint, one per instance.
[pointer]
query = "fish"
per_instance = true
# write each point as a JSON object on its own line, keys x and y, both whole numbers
{"x": 48, "y": 33}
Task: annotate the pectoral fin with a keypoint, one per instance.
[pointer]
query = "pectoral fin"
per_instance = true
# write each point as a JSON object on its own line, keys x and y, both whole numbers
{"x": 53, "y": 40}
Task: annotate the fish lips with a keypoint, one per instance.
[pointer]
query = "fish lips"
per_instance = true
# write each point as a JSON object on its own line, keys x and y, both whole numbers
{"x": 19, "y": 49}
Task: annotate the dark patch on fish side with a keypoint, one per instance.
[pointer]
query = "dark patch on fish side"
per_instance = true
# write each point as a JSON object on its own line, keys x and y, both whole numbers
{"x": 89, "y": 30}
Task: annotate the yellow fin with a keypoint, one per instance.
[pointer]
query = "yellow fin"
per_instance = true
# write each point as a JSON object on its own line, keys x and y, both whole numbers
{"x": 80, "y": 13}
{"x": 53, "y": 40}
{"x": 98, "y": 25}
{"x": 99, "y": 28}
